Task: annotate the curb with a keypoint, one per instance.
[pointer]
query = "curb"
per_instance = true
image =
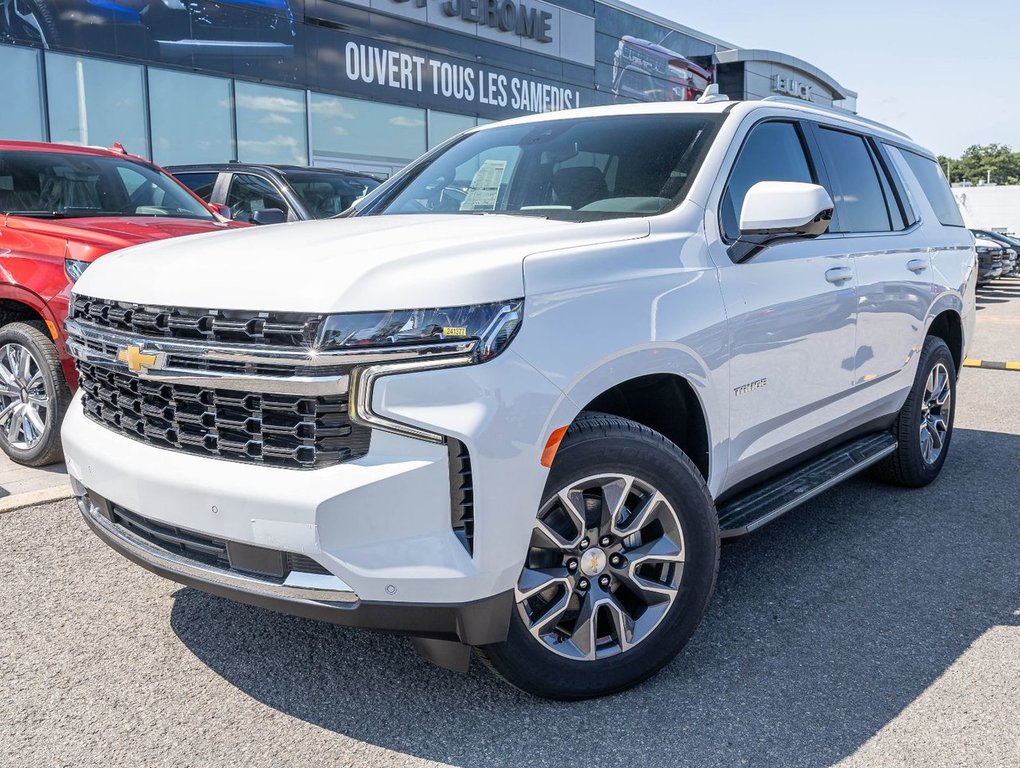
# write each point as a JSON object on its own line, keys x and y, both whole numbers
{"x": 970, "y": 362}
{"x": 31, "y": 498}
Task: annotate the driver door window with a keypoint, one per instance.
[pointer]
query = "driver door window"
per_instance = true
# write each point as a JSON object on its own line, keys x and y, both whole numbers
{"x": 249, "y": 194}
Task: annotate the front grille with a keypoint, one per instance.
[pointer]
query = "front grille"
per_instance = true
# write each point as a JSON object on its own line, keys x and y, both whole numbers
{"x": 215, "y": 552}
{"x": 300, "y": 432}
{"x": 283, "y": 329}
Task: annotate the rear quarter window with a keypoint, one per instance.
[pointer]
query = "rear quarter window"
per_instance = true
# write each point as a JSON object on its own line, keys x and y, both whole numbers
{"x": 929, "y": 175}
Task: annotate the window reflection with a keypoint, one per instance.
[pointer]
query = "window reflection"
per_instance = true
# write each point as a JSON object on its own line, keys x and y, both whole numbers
{"x": 21, "y": 118}
{"x": 96, "y": 102}
{"x": 366, "y": 131}
{"x": 271, "y": 125}
{"x": 191, "y": 121}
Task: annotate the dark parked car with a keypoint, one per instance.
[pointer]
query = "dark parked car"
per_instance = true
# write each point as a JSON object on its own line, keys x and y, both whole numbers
{"x": 161, "y": 29}
{"x": 1010, "y": 267}
{"x": 989, "y": 259}
{"x": 252, "y": 191}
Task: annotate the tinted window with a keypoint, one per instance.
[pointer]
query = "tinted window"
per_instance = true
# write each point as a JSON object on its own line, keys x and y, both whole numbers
{"x": 251, "y": 193}
{"x": 773, "y": 152}
{"x": 858, "y": 195}
{"x": 200, "y": 183}
{"x": 936, "y": 188}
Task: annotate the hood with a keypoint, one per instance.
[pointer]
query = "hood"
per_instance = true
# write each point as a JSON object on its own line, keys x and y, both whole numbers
{"x": 345, "y": 265}
{"x": 101, "y": 234}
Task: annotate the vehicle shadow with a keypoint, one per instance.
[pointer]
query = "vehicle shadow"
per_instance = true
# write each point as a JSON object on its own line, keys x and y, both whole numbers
{"x": 825, "y": 625}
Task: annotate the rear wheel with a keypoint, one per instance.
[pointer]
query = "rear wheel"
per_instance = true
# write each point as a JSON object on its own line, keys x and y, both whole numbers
{"x": 33, "y": 395}
{"x": 924, "y": 426}
{"x": 620, "y": 569}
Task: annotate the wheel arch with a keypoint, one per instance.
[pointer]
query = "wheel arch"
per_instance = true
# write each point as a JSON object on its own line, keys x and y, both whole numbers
{"x": 665, "y": 402}
{"x": 947, "y": 325}
{"x": 21, "y": 305}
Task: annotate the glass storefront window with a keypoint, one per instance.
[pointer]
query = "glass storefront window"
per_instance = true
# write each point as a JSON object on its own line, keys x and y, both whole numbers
{"x": 21, "y": 119}
{"x": 443, "y": 125}
{"x": 271, "y": 124}
{"x": 92, "y": 101}
{"x": 366, "y": 131}
{"x": 191, "y": 119}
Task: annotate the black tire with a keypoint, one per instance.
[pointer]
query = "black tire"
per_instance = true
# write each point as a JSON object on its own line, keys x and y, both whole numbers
{"x": 14, "y": 28}
{"x": 44, "y": 353}
{"x": 599, "y": 443}
{"x": 908, "y": 466}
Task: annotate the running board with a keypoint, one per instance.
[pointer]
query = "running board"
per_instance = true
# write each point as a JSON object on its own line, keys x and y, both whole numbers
{"x": 765, "y": 503}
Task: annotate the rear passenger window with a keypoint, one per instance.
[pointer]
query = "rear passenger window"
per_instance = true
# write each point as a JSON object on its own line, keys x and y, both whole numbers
{"x": 936, "y": 188}
{"x": 774, "y": 151}
{"x": 859, "y": 196}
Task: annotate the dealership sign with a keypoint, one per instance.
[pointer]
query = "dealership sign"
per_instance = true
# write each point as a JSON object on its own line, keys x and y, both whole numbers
{"x": 504, "y": 15}
{"x": 440, "y": 81}
{"x": 792, "y": 87}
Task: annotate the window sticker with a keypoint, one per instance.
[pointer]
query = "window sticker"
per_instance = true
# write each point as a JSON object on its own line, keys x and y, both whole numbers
{"x": 484, "y": 190}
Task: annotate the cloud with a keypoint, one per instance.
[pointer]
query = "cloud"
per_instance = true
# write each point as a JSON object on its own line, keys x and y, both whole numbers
{"x": 290, "y": 104}
{"x": 275, "y": 118}
{"x": 406, "y": 122}
{"x": 339, "y": 130}
{"x": 330, "y": 107}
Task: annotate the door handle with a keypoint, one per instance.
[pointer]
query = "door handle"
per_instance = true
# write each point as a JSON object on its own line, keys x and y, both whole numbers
{"x": 838, "y": 274}
{"x": 917, "y": 265}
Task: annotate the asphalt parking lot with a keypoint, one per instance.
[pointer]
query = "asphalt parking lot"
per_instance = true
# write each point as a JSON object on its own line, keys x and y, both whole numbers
{"x": 871, "y": 627}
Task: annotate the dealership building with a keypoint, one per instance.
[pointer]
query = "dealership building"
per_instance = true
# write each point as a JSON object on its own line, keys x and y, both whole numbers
{"x": 360, "y": 84}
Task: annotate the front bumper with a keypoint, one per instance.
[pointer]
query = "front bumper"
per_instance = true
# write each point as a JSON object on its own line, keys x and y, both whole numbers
{"x": 381, "y": 524}
{"x": 313, "y": 596}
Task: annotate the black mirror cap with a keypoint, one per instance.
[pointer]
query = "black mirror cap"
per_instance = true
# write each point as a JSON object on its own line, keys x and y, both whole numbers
{"x": 269, "y": 216}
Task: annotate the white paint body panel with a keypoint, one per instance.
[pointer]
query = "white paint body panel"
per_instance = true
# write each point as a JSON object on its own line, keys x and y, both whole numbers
{"x": 605, "y": 302}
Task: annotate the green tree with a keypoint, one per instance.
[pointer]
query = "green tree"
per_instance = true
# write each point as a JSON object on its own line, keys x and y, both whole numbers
{"x": 981, "y": 162}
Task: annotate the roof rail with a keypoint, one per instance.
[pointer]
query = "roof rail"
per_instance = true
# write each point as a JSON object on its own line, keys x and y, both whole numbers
{"x": 836, "y": 111}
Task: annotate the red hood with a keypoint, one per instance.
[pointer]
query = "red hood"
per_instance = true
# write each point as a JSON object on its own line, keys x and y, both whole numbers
{"x": 102, "y": 234}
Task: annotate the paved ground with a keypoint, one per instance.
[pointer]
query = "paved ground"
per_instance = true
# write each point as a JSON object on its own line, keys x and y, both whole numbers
{"x": 871, "y": 627}
{"x": 23, "y": 486}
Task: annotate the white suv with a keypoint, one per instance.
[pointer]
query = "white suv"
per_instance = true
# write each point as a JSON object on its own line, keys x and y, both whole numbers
{"x": 515, "y": 400}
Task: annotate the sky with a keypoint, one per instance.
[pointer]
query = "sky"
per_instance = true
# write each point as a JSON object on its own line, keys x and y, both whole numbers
{"x": 946, "y": 73}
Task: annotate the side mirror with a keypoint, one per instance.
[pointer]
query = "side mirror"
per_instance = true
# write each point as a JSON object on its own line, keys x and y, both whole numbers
{"x": 268, "y": 216}
{"x": 220, "y": 210}
{"x": 785, "y": 209}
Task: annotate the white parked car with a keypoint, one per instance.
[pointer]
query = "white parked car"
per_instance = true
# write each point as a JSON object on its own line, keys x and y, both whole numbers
{"x": 515, "y": 400}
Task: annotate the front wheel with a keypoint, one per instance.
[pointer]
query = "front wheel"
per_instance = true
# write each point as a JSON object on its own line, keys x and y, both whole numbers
{"x": 620, "y": 568}
{"x": 924, "y": 426}
{"x": 33, "y": 395}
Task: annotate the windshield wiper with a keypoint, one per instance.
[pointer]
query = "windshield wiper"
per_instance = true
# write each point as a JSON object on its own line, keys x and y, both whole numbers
{"x": 37, "y": 214}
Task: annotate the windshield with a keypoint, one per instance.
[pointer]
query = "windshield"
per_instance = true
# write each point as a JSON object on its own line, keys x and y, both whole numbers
{"x": 65, "y": 185}
{"x": 327, "y": 194}
{"x": 570, "y": 169}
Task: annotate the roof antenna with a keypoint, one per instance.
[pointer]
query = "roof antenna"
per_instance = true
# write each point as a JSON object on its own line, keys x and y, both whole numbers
{"x": 712, "y": 95}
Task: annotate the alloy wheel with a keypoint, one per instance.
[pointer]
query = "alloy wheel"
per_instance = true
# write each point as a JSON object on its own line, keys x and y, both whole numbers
{"x": 935, "y": 409}
{"x": 24, "y": 403}
{"x": 604, "y": 566}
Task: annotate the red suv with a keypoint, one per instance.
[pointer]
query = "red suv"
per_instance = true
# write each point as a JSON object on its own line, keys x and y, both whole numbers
{"x": 62, "y": 207}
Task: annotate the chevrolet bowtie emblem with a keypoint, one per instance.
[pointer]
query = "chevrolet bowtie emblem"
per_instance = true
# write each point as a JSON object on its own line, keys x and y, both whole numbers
{"x": 133, "y": 357}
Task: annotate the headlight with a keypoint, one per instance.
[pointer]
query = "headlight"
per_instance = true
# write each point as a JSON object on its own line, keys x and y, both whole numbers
{"x": 74, "y": 268}
{"x": 490, "y": 326}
